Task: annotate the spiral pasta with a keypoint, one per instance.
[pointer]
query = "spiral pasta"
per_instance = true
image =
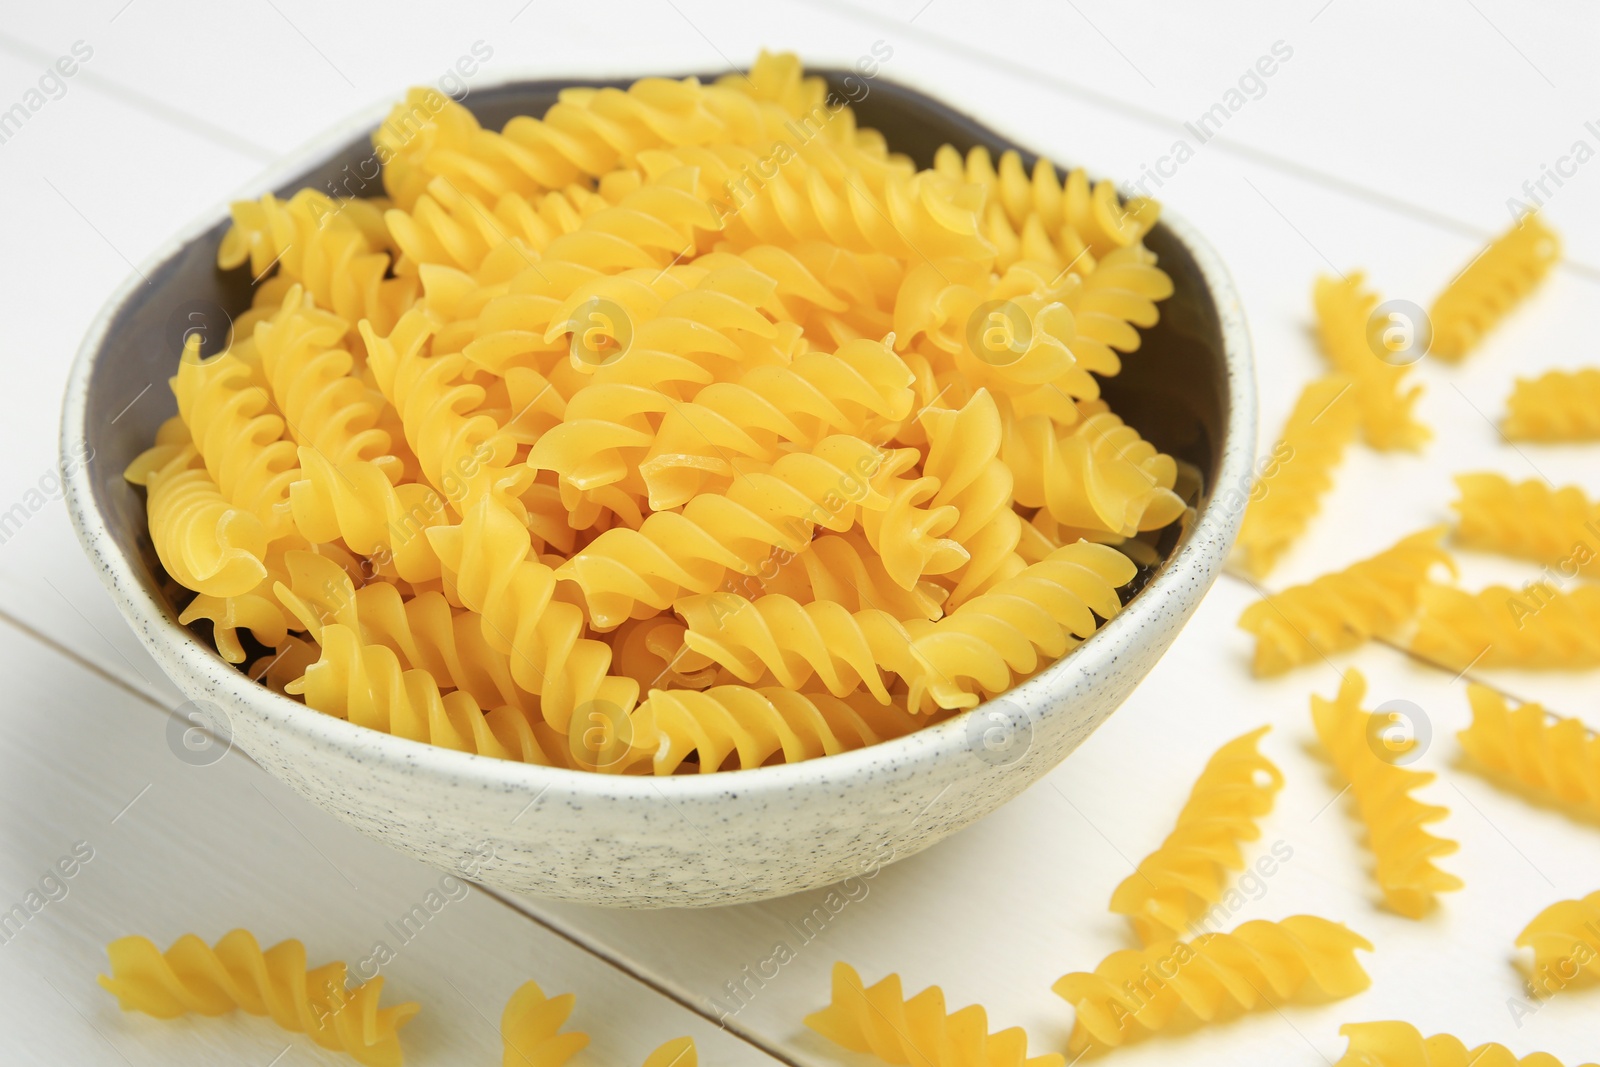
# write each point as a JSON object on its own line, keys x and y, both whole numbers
{"x": 1321, "y": 425}
{"x": 683, "y": 428}
{"x": 1394, "y": 819}
{"x": 1529, "y": 519}
{"x": 679, "y": 1052}
{"x": 1565, "y": 938}
{"x": 1172, "y": 887}
{"x": 916, "y": 1031}
{"x": 1556, "y": 406}
{"x": 530, "y": 1029}
{"x": 320, "y": 1003}
{"x": 1134, "y": 992}
{"x": 1398, "y": 1044}
{"x": 1501, "y": 275}
{"x": 1539, "y": 626}
{"x": 1342, "y": 609}
{"x": 1344, "y": 310}
{"x": 1556, "y": 758}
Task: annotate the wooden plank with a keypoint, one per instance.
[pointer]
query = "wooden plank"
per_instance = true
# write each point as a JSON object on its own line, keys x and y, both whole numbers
{"x": 181, "y": 844}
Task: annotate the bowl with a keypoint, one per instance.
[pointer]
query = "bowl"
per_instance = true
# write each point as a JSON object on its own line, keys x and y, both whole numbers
{"x": 694, "y": 840}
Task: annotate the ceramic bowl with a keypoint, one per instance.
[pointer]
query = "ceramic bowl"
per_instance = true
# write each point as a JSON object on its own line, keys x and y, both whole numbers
{"x": 686, "y": 840}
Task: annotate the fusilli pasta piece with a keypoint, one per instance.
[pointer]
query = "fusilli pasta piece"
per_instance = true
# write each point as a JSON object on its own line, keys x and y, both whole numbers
{"x": 1556, "y": 758}
{"x": 193, "y": 977}
{"x": 1321, "y": 425}
{"x": 1382, "y": 790}
{"x": 205, "y": 543}
{"x": 1539, "y": 626}
{"x": 1556, "y": 406}
{"x": 1529, "y": 519}
{"x": 1173, "y": 886}
{"x": 367, "y": 685}
{"x": 679, "y": 1052}
{"x": 1397, "y": 1044}
{"x": 755, "y": 726}
{"x": 1342, "y": 609}
{"x": 1501, "y": 275}
{"x": 1344, "y": 310}
{"x": 1565, "y": 938}
{"x": 916, "y": 1031}
{"x": 1136, "y": 991}
{"x": 530, "y": 1028}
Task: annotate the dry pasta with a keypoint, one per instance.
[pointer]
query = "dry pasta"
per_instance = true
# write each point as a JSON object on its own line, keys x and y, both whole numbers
{"x": 1529, "y": 519}
{"x": 1556, "y": 406}
{"x": 191, "y": 976}
{"x": 1134, "y": 992}
{"x": 1398, "y": 1044}
{"x": 1340, "y": 610}
{"x": 1344, "y": 310}
{"x": 1538, "y": 626}
{"x": 916, "y": 1031}
{"x": 605, "y": 441}
{"x": 1556, "y": 758}
{"x": 530, "y": 1029}
{"x": 1394, "y": 819}
{"x": 1288, "y": 496}
{"x": 1173, "y": 886}
{"x": 1488, "y": 287}
{"x": 1565, "y": 938}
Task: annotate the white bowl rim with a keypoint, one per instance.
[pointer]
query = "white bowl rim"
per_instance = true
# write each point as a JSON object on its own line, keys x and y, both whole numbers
{"x": 1196, "y": 558}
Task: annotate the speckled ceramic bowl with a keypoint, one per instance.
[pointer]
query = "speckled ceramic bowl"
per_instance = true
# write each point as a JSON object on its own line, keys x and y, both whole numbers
{"x": 688, "y": 840}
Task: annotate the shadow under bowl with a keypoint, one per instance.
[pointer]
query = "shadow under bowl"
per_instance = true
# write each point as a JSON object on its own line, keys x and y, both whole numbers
{"x": 693, "y": 840}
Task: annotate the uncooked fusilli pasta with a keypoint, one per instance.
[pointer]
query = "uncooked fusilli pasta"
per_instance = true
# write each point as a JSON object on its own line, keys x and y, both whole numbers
{"x": 917, "y": 1032}
{"x": 1530, "y": 519}
{"x": 1394, "y": 819}
{"x": 1134, "y": 992}
{"x": 1344, "y": 313}
{"x": 530, "y": 1029}
{"x": 1340, "y": 610}
{"x": 1539, "y": 626}
{"x": 1565, "y": 938}
{"x": 1556, "y": 758}
{"x": 1488, "y": 287}
{"x": 1556, "y": 406}
{"x": 191, "y": 976}
{"x": 1397, "y": 1044}
{"x": 1173, "y": 886}
{"x": 612, "y": 440}
{"x": 1288, "y": 496}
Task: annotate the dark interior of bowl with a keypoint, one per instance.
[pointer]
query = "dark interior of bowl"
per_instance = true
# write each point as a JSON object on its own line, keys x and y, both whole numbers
{"x": 1173, "y": 390}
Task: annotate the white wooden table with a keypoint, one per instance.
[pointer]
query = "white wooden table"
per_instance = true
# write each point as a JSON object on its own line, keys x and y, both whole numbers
{"x": 1391, "y": 139}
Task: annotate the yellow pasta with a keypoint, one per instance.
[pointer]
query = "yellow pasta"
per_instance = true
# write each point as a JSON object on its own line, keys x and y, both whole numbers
{"x": 1539, "y": 626}
{"x": 1382, "y": 790}
{"x": 530, "y": 1028}
{"x": 916, "y": 1031}
{"x": 1556, "y": 406}
{"x": 1397, "y": 1044}
{"x": 1342, "y": 609}
{"x": 679, "y": 1052}
{"x": 1529, "y": 519}
{"x": 1488, "y": 287}
{"x": 1173, "y": 886}
{"x": 1556, "y": 758}
{"x": 1288, "y": 496}
{"x": 637, "y": 437}
{"x": 320, "y": 1003}
{"x": 1134, "y": 992}
{"x": 1565, "y": 938}
{"x": 1344, "y": 311}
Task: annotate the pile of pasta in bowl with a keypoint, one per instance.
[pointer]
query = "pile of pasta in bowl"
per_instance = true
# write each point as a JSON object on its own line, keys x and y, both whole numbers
{"x": 687, "y": 428}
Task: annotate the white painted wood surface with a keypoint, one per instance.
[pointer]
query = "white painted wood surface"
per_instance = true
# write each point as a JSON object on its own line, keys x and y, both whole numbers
{"x": 1389, "y": 142}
